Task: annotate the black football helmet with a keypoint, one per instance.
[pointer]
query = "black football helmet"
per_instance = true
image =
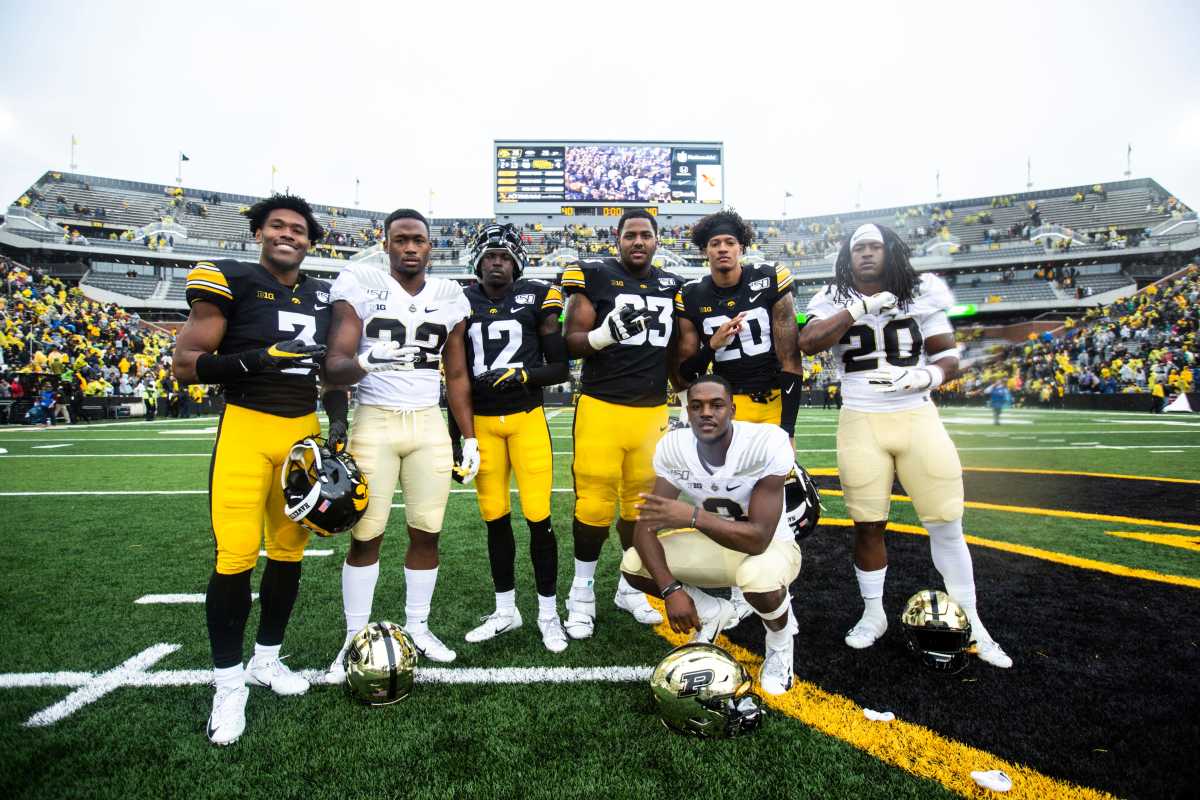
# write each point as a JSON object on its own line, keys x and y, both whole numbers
{"x": 505, "y": 238}
{"x": 802, "y": 503}
{"x": 322, "y": 490}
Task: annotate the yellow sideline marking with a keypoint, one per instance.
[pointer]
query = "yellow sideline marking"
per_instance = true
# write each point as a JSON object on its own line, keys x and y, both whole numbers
{"x": 911, "y": 747}
{"x": 1169, "y": 539}
{"x": 1045, "y": 555}
{"x": 1050, "y": 512}
{"x": 1082, "y": 474}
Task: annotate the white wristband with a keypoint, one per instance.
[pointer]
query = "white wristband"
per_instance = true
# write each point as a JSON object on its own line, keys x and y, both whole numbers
{"x": 600, "y": 338}
{"x": 936, "y": 376}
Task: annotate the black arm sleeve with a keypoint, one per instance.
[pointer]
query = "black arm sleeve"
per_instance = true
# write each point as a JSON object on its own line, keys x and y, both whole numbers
{"x": 212, "y": 368}
{"x": 455, "y": 437}
{"x": 790, "y": 385}
{"x": 696, "y": 365}
{"x": 337, "y": 405}
{"x": 554, "y": 348}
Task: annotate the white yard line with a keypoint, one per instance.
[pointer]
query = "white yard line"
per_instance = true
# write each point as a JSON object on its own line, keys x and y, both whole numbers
{"x": 175, "y": 599}
{"x": 50, "y": 446}
{"x": 99, "y": 685}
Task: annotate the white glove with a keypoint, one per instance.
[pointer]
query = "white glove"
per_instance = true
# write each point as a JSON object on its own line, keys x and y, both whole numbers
{"x": 623, "y": 322}
{"x": 904, "y": 380}
{"x": 876, "y": 303}
{"x": 385, "y": 356}
{"x": 468, "y": 467}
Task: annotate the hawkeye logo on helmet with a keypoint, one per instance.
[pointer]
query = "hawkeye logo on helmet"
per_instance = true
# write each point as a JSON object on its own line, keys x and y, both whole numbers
{"x": 693, "y": 682}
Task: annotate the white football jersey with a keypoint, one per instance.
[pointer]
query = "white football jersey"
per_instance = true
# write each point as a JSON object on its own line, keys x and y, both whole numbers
{"x": 389, "y": 313}
{"x": 896, "y": 337}
{"x": 757, "y": 450}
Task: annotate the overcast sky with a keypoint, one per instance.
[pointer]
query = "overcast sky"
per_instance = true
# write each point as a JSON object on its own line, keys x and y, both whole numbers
{"x": 814, "y": 99}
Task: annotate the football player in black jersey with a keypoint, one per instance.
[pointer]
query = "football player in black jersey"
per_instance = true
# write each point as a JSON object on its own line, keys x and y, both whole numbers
{"x": 621, "y": 322}
{"x": 258, "y": 330}
{"x": 742, "y": 321}
{"x": 514, "y": 348}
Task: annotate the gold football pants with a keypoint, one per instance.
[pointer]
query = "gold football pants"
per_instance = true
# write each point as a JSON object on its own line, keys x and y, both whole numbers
{"x": 614, "y": 454}
{"x": 517, "y": 444}
{"x": 245, "y": 498}
{"x": 746, "y": 410}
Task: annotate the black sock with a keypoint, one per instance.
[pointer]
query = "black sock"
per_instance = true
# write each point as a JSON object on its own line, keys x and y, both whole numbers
{"x": 227, "y": 606}
{"x": 625, "y": 532}
{"x": 543, "y": 550}
{"x": 502, "y": 552}
{"x": 589, "y": 539}
{"x": 277, "y": 594}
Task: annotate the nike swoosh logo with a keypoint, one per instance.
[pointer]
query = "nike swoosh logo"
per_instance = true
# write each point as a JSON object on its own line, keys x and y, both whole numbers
{"x": 319, "y": 308}
{"x": 429, "y": 310}
{"x": 731, "y": 488}
{"x": 789, "y": 389}
{"x": 754, "y": 297}
{"x": 514, "y": 310}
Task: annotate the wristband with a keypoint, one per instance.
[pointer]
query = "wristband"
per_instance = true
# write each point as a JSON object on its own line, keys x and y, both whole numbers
{"x": 670, "y": 589}
{"x": 695, "y": 513}
{"x": 601, "y": 337}
{"x": 936, "y": 376}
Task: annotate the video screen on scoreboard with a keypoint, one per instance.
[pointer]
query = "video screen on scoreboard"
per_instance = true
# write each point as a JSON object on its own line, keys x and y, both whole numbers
{"x": 664, "y": 174}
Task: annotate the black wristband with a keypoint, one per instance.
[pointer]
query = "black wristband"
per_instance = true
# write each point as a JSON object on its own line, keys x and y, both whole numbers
{"x": 212, "y": 368}
{"x": 670, "y": 589}
{"x": 337, "y": 405}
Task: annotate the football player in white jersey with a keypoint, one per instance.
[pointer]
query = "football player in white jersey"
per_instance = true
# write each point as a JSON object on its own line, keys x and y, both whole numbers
{"x": 893, "y": 343}
{"x": 391, "y": 330}
{"x": 732, "y": 533}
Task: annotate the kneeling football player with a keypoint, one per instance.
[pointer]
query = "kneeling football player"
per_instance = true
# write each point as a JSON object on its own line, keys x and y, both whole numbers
{"x": 733, "y": 534}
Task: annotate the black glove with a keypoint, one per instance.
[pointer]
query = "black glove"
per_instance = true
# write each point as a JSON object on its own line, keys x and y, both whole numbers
{"x": 629, "y": 322}
{"x": 284, "y": 355}
{"x": 337, "y": 436}
{"x": 501, "y": 379}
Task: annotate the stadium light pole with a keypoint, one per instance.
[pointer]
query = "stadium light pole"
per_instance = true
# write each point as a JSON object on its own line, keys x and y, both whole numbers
{"x": 356, "y": 181}
{"x": 74, "y": 142}
{"x": 937, "y": 182}
{"x": 1028, "y": 172}
{"x": 1129, "y": 160}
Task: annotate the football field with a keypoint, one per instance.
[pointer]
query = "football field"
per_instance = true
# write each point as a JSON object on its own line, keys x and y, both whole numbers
{"x": 1085, "y": 534}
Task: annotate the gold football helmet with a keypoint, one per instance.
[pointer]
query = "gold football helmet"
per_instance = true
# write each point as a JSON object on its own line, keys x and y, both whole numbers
{"x": 379, "y": 664}
{"x": 937, "y": 630}
{"x": 701, "y": 690}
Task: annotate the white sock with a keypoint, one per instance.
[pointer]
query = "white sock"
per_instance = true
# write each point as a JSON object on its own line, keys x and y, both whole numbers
{"x": 584, "y": 571}
{"x": 227, "y": 678}
{"x": 358, "y": 593}
{"x": 265, "y": 652}
{"x": 953, "y": 562}
{"x": 707, "y": 606}
{"x": 418, "y": 597}
{"x": 624, "y": 588}
{"x": 736, "y": 596}
{"x": 547, "y": 606}
{"x": 870, "y": 586}
{"x": 506, "y": 601}
{"x": 777, "y": 640}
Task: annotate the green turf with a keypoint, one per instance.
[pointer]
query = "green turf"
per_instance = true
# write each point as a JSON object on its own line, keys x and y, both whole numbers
{"x": 75, "y": 564}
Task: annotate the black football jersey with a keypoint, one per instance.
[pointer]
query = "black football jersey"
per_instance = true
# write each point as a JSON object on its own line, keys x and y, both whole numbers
{"x": 504, "y": 333}
{"x": 259, "y": 312}
{"x": 748, "y": 361}
{"x": 632, "y": 372}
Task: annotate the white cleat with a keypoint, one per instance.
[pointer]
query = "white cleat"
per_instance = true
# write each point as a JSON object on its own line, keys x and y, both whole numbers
{"x": 273, "y": 674}
{"x": 741, "y": 610}
{"x": 991, "y": 653}
{"x": 337, "y": 669}
{"x": 431, "y": 647}
{"x": 228, "y": 718}
{"x": 776, "y": 676}
{"x": 710, "y": 627}
{"x": 498, "y": 622}
{"x": 866, "y": 632}
{"x": 581, "y": 612}
{"x": 553, "y": 635}
{"x": 635, "y": 603}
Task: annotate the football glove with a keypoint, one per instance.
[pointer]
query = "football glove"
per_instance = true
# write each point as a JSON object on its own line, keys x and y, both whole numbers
{"x": 623, "y": 322}
{"x": 468, "y": 463}
{"x": 387, "y": 356}
{"x": 903, "y": 380}
{"x": 338, "y": 434}
{"x": 506, "y": 378}
{"x": 285, "y": 355}
{"x": 875, "y": 304}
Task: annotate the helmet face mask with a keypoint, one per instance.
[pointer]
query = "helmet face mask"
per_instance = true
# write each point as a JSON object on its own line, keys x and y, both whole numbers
{"x": 379, "y": 664}
{"x": 700, "y": 690}
{"x": 323, "y": 491}
{"x": 802, "y": 502}
{"x": 499, "y": 238}
{"x": 936, "y": 630}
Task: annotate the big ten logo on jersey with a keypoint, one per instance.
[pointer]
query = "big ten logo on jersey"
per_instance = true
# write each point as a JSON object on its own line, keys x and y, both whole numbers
{"x": 658, "y": 327}
{"x": 760, "y": 284}
{"x": 616, "y": 282}
{"x": 753, "y": 339}
{"x": 263, "y": 294}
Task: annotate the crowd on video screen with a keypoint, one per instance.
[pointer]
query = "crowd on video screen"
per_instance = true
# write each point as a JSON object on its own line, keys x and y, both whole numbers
{"x": 619, "y": 172}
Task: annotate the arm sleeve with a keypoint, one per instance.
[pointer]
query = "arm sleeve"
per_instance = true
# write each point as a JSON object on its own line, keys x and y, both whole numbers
{"x": 347, "y": 288}
{"x": 207, "y": 281}
{"x": 554, "y": 349}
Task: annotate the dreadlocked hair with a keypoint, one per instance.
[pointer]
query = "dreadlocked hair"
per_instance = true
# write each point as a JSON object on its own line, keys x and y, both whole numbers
{"x": 899, "y": 277}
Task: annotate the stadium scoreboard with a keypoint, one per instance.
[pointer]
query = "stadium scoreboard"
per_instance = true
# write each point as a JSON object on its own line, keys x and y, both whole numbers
{"x": 593, "y": 178}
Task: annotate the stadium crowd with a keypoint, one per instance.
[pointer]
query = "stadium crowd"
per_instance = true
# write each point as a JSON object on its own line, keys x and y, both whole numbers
{"x": 1145, "y": 344}
{"x": 57, "y": 348}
